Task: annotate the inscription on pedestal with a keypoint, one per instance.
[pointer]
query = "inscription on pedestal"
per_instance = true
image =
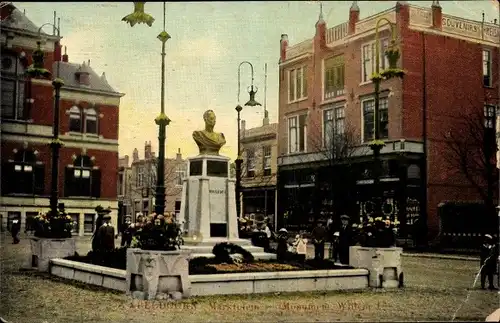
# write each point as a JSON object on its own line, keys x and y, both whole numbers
{"x": 196, "y": 168}
{"x": 217, "y": 168}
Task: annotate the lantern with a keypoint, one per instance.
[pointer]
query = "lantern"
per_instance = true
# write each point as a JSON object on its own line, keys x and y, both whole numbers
{"x": 139, "y": 16}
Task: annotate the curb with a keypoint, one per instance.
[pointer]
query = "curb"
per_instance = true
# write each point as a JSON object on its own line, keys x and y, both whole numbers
{"x": 438, "y": 256}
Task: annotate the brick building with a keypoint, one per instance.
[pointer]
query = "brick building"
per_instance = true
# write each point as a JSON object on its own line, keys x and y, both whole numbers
{"x": 89, "y": 108}
{"x": 325, "y": 85}
{"x": 140, "y": 193}
{"x": 259, "y": 152}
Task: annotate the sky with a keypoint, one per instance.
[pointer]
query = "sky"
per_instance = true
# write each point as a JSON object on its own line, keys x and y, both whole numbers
{"x": 209, "y": 41}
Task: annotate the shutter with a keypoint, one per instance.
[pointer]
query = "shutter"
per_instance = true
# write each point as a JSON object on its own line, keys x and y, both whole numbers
{"x": 96, "y": 183}
{"x": 302, "y": 125}
{"x": 7, "y": 177}
{"x": 39, "y": 178}
{"x": 69, "y": 181}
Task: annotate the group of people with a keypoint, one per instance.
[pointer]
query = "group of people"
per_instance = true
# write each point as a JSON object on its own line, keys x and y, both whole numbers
{"x": 340, "y": 239}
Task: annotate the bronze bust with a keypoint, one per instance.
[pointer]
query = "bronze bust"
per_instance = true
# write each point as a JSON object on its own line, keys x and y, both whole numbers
{"x": 208, "y": 141}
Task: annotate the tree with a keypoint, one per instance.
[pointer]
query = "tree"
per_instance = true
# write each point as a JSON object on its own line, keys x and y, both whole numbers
{"x": 472, "y": 147}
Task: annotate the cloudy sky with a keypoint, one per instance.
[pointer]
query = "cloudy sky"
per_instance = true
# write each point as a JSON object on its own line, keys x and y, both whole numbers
{"x": 209, "y": 40}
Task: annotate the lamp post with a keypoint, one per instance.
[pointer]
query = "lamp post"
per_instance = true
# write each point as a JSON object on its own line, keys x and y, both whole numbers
{"x": 392, "y": 54}
{"x": 38, "y": 70}
{"x": 138, "y": 16}
{"x": 252, "y": 90}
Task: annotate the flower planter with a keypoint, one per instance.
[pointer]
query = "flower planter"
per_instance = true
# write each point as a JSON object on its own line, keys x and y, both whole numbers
{"x": 384, "y": 265}
{"x": 44, "y": 249}
{"x": 156, "y": 274}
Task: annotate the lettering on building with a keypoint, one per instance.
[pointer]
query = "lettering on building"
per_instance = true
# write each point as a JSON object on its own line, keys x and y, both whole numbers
{"x": 217, "y": 191}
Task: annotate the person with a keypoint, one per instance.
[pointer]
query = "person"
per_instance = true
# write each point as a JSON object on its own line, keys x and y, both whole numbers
{"x": 209, "y": 142}
{"x": 300, "y": 247}
{"x": 489, "y": 258}
{"x": 345, "y": 239}
{"x": 282, "y": 247}
{"x": 318, "y": 237}
{"x": 334, "y": 249}
{"x": 127, "y": 232}
{"x": 14, "y": 230}
{"x": 106, "y": 235}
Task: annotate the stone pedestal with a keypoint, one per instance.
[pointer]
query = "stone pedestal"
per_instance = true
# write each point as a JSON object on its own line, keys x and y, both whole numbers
{"x": 158, "y": 274}
{"x": 44, "y": 249}
{"x": 384, "y": 265}
{"x": 208, "y": 207}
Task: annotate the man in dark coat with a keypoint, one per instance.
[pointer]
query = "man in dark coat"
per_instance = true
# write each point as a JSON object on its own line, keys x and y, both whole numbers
{"x": 127, "y": 232}
{"x": 319, "y": 236}
{"x": 106, "y": 235}
{"x": 489, "y": 258}
{"x": 345, "y": 239}
{"x": 282, "y": 249}
{"x": 14, "y": 230}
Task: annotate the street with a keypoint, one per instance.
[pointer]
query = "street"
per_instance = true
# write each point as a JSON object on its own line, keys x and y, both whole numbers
{"x": 435, "y": 288}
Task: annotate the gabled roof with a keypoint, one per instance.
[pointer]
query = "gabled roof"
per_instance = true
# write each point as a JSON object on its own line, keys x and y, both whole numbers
{"x": 18, "y": 21}
{"x": 67, "y": 73}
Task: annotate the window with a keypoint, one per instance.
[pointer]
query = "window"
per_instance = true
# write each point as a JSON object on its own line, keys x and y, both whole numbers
{"x": 82, "y": 179}
{"x": 266, "y": 164}
{"x": 297, "y": 84}
{"x": 91, "y": 121}
{"x": 88, "y": 223}
{"x": 297, "y": 134}
{"x": 250, "y": 162}
{"x": 75, "y": 217}
{"x": 11, "y": 216}
{"x": 23, "y": 175}
{"x": 368, "y": 59}
{"x": 12, "y": 88}
{"x": 486, "y": 67}
{"x": 75, "y": 119}
{"x": 333, "y": 125}
{"x": 334, "y": 77}
{"x": 180, "y": 174}
{"x": 369, "y": 118}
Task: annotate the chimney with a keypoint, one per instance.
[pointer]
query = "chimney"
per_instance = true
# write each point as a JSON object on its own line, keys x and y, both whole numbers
{"x": 437, "y": 15}
{"x": 179, "y": 155}
{"x": 320, "y": 37}
{"x": 353, "y": 17}
{"x": 65, "y": 56}
{"x": 57, "y": 51}
{"x": 135, "y": 155}
{"x": 283, "y": 47}
{"x": 147, "y": 150}
{"x": 265, "y": 122}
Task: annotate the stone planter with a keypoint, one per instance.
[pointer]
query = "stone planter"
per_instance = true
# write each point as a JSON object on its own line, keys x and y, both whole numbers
{"x": 44, "y": 249}
{"x": 158, "y": 274}
{"x": 384, "y": 265}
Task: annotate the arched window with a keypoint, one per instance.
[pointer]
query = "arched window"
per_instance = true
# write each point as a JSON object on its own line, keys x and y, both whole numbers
{"x": 23, "y": 175}
{"x": 91, "y": 121}
{"x": 12, "y": 87}
{"x": 75, "y": 119}
{"x": 82, "y": 179}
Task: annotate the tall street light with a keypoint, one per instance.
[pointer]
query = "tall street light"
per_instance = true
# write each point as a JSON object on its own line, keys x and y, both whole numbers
{"x": 37, "y": 70}
{"x": 393, "y": 55}
{"x": 138, "y": 16}
{"x": 252, "y": 90}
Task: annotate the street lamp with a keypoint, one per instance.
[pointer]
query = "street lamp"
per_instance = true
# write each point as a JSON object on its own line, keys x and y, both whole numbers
{"x": 161, "y": 120}
{"x": 38, "y": 70}
{"x": 252, "y": 90}
{"x": 393, "y": 55}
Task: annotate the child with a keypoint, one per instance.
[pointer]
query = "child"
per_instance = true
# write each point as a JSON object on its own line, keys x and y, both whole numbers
{"x": 300, "y": 246}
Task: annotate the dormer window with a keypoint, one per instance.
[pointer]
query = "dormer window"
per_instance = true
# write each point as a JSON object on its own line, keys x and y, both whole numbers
{"x": 75, "y": 119}
{"x": 91, "y": 121}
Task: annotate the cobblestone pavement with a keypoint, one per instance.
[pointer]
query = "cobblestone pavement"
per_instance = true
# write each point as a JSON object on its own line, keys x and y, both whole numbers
{"x": 435, "y": 289}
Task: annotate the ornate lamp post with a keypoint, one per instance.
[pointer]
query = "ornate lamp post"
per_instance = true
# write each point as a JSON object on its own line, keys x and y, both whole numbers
{"x": 393, "y": 55}
{"x": 252, "y": 90}
{"x": 37, "y": 70}
{"x": 138, "y": 16}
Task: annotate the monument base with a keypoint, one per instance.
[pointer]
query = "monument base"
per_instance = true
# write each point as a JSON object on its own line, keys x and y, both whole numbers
{"x": 204, "y": 248}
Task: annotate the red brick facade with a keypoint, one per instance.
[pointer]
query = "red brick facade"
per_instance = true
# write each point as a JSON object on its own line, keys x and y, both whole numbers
{"x": 454, "y": 76}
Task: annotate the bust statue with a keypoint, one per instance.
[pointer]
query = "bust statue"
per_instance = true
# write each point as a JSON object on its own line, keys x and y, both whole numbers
{"x": 208, "y": 141}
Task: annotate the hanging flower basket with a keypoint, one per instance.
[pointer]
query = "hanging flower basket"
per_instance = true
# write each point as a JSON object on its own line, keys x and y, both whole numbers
{"x": 393, "y": 72}
{"x": 139, "y": 16}
{"x": 377, "y": 144}
{"x": 392, "y": 53}
{"x": 376, "y": 77}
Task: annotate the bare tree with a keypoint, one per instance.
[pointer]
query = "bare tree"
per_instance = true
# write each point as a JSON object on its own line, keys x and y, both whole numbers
{"x": 472, "y": 151}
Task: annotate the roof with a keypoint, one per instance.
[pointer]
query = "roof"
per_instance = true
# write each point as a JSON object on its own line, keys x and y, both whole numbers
{"x": 67, "y": 73}
{"x": 261, "y": 131}
{"x": 18, "y": 20}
